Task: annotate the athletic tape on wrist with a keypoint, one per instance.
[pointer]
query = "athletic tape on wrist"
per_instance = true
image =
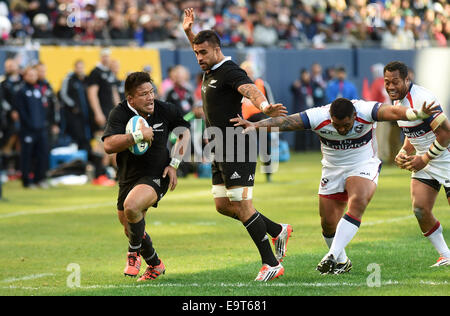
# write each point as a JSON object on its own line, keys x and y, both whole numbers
{"x": 175, "y": 163}
{"x": 263, "y": 105}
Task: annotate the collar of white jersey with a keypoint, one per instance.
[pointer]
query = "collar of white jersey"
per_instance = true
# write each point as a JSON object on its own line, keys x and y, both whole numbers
{"x": 227, "y": 58}
{"x": 134, "y": 110}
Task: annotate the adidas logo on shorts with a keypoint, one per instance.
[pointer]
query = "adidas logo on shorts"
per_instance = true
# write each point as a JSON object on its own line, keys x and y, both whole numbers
{"x": 235, "y": 175}
{"x": 157, "y": 181}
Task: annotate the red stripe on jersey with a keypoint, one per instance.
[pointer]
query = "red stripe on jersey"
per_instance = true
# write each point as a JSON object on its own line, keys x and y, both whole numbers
{"x": 411, "y": 104}
{"x": 323, "y": 124}
{"x": 362, "y": 121}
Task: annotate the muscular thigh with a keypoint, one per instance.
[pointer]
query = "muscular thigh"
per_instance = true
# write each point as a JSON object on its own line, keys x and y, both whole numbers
{"x": 423, "y": 195}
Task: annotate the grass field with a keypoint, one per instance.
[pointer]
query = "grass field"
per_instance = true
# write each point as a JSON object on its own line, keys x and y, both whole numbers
{"x": 46, "y": 232}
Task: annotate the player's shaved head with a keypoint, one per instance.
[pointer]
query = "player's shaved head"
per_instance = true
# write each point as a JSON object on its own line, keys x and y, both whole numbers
{"x": 342, "y": 108}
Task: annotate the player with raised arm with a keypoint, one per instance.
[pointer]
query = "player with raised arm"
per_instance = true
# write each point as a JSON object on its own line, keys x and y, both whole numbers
{"x": 143, "y": 179}
{"x": 224, "y": 85}
{"x": 425, "y": 152}
{"x": 350, "y": 164}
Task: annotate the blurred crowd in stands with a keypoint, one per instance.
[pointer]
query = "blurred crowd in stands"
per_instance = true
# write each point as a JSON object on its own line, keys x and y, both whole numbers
{"x": 396, "y": 24}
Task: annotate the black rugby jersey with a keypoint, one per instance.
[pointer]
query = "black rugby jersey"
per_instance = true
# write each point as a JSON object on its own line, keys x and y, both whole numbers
{"x": 221, "y": 99}
{"x": 222, "y": 102}
{"x": 164, "y": 119}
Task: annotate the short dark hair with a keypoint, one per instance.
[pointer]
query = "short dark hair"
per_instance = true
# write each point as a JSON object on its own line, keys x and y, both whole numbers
{"x": 342, "y": 108}
{"x": 207, "y": 36}
{"x": 134, "y": 80}
{"x": 397, "y": 65}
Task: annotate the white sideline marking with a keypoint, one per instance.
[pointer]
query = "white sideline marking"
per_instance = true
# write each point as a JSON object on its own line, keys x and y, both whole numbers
{"x": 27, "y": 277}
{"x": 384, "y": 221}
{"x": 234, "y": 285}
{"x": 95, "y": 205}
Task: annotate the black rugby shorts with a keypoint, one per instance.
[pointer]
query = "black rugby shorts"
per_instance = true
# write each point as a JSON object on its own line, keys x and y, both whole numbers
{"x": 159, "y": 184}
{"x": 231, "y": 174}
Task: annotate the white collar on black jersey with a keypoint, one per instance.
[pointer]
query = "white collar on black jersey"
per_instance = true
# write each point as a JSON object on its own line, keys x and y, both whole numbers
{"x": 133, "y": 109}
{"x": 227, "y": 58}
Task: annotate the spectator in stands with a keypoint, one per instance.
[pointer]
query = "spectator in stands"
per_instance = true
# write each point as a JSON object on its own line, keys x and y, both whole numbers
{"x": 265, "y": 33}
{"x": 319, "y": 85}
{"x": 396, "y": 38}
{"x": 181, "y": 93}
{"x": 42, "y": 27}
{"x": 33, "y": 131}
{"x": 340, "y": 87}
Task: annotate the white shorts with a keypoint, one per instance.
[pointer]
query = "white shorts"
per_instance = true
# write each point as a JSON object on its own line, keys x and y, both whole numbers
{"x": 334, "y": 177}
{"x": 435, "y": 170}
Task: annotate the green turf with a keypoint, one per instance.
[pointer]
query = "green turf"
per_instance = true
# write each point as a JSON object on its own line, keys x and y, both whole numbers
{"x": 43, "y": 231}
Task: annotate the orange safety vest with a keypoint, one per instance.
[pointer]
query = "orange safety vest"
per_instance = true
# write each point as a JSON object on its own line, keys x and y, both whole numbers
{"x": 248, "y": 109}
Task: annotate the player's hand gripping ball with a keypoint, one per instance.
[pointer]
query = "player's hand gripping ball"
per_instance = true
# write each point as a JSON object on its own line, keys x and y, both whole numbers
{"x": 133, "y": 127}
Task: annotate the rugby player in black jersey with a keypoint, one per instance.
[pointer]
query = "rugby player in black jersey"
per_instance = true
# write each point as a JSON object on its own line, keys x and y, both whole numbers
{"x": 143, "y": 179}
{"x": 224, "y": 85}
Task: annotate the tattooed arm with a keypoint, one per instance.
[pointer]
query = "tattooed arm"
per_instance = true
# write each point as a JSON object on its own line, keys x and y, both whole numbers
{"x": 251, "y": 92}
{"x": 283, "y": 123}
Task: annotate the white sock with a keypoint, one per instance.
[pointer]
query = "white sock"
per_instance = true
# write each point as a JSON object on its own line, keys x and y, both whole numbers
{"x": 436, "y": 237}
{"x": 342, "y": 258}
{"x": 346, "y": 230}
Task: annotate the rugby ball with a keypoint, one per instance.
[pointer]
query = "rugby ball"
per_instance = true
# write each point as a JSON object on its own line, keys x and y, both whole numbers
{"x": 133, "y": 125}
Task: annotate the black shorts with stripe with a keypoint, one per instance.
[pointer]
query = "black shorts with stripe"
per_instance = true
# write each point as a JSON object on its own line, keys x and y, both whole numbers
{"x": 159, "y": 184}
{"x": 240, "y": 174}
{"x": 434, "y": 184}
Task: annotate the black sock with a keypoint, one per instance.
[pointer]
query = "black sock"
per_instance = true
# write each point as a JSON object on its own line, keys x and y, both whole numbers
{"x": 148, "y": 252}
{"x": 135, "y": 236}
{"x": 257, "y": 230}
{"x": 273, "y": 229}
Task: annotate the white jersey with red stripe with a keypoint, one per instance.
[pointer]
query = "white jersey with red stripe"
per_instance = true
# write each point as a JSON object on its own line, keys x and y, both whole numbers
{"x": 357, "y": 147}
{"x": 420, "y": 134}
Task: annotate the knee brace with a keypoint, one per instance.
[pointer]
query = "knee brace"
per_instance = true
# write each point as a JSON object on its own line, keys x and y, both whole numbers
{"x": 239, "y": 194}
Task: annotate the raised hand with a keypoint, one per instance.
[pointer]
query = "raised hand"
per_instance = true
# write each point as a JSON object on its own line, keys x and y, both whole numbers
{"x": 188, "y": 20}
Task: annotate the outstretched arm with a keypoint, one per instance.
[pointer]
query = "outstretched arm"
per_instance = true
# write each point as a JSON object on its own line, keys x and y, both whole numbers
{"x": 292, "y": 122}
{"x": 396, "y": 113}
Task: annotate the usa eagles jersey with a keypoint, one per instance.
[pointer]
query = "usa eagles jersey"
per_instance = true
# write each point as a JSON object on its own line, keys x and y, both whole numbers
{"x": 357, "y": 147}
{"x": 420, "y": 132}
